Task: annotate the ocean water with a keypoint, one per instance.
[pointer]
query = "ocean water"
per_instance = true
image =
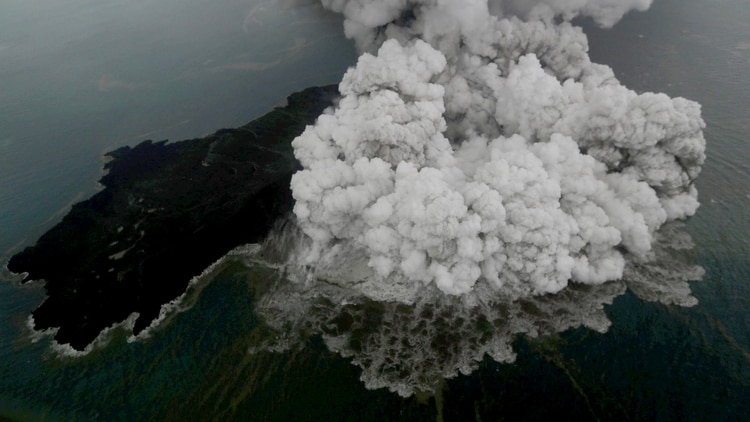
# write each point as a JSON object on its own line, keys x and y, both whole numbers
{"x": 80, "y": 78}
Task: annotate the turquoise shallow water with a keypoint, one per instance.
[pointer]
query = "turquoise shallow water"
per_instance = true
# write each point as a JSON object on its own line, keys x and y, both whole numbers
{"x": 655, "y": 362}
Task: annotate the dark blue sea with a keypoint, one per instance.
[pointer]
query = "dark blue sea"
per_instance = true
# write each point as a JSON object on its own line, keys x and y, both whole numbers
{"x": 82, "y": 77}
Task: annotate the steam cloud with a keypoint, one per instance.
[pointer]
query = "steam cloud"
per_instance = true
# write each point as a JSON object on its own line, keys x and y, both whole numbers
{"x": 414, "y": 347}
{"x": 477, "y": 149}
{"x": 476, "y": 164}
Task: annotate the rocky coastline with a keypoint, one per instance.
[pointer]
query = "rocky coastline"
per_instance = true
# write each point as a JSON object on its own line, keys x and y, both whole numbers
{"x": 167, "y": 211}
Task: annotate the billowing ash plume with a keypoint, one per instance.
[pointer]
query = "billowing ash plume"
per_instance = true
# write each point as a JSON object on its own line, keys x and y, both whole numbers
{"x": 476, "y": 145}
{"x": 414, "y": 347}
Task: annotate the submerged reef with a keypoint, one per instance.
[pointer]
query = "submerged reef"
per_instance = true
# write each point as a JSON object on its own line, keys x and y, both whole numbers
{"x": 167, "y": 211}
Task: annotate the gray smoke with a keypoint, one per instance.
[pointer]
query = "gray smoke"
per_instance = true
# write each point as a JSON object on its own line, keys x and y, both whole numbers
{"x": 410, "y": 348}
{"x": 479, "y": 179}
{"x": 476, "y": 144}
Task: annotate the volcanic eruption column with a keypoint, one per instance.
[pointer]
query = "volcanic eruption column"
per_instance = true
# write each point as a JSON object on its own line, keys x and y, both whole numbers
{"x": 476, "y": 142}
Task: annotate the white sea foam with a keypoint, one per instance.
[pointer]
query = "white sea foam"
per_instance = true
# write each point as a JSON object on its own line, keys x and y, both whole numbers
{"x": 66, "y": 350}
{"x": 168, "y": 310}
{"x": 181, "y": 303}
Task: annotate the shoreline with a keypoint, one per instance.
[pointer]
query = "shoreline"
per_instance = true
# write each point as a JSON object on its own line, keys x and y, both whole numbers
{"x": 167, "y": 211}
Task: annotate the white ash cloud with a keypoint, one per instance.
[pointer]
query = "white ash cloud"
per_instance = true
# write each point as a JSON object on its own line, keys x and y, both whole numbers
{"x": 476, "y": 143}
{"x": 414, "y": 347}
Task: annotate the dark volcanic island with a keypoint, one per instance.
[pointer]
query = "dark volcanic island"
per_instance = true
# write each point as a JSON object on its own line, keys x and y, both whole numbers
{"x": 167, "y": 211}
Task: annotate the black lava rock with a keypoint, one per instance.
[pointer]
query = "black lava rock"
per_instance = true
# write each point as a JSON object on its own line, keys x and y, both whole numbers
{"x": 166, "y": 213}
